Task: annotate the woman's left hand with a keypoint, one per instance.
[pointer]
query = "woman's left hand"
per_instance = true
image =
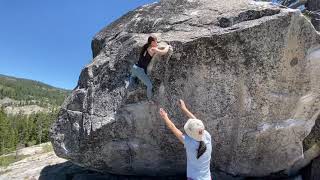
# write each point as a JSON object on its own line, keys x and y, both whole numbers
{"x": 163, "y": 113}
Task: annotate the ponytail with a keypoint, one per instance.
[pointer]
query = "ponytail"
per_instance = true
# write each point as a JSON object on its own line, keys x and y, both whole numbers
{"x": 145, "y": 47}
{"x": 202, "y": 148}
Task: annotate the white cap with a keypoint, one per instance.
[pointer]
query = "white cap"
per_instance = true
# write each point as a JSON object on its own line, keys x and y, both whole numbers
{"x": 192, "y": 128}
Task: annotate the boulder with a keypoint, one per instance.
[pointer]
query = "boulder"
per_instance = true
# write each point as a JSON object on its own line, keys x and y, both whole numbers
{"x": 315, "y": 20}
{"x": 315, "y": 166}
{"x": 313, "y": 5}
{"x": 249, "y": 70}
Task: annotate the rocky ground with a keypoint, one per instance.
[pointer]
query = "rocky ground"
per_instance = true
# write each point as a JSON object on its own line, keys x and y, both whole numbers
{"x": 32, "y": 166}
{"x": 27, "y": 110}
{"x": 43, "y": 164}
{"x": 12, "y": 107}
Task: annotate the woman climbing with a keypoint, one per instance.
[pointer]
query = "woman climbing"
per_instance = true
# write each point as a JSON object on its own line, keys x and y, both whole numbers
{"x": 139, "y": 70}
{"x": 197, "y": 143}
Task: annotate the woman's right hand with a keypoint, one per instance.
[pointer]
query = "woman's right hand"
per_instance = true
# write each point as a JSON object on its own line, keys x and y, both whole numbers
{"x": 181, "y": 104}
{"x": 163, "y": 113}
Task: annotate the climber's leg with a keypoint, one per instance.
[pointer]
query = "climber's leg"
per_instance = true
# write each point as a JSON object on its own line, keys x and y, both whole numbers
{"x": 132, "y": 82}
{"x": 139, "y": 72}
{"x": 132, "y": 79}
{"x": 149, "y": 88}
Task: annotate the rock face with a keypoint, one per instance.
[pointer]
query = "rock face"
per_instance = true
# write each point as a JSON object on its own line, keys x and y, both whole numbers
{"x": 313, "y": 5}
{"x": 249, "y": 70}
{"x": 315, "y": 20}
{"x": 315, "y": 173}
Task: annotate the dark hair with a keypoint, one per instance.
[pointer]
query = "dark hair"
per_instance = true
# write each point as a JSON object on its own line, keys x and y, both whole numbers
{"x": 145, "y": 47}
{"x": 202, "y": 148}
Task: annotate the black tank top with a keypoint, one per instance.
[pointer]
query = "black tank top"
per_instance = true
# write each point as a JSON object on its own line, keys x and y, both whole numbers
{"x": 144, "y": 61}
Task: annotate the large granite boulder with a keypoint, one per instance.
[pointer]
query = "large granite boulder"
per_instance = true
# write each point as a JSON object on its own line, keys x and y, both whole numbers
{"x": 250, "y": 70}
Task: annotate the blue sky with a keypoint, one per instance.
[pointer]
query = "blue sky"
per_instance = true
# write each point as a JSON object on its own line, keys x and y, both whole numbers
{"x": 50, "y": 40}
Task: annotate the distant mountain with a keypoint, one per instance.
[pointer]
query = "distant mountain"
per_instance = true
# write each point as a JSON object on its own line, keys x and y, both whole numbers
{"x": 18, "y": 92}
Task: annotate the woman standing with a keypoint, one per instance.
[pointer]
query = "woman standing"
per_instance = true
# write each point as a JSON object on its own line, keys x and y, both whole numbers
{"x": 139, "y": 70}
{"x": 197, "y": 143}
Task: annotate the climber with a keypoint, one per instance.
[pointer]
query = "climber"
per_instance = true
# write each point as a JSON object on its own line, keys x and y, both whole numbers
{"x": 197, "y": 143}
{"x": 139, "y": 70}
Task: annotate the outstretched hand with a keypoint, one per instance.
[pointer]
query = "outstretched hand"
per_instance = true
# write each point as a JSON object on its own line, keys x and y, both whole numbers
{"x": 171, "y": 126}
{"x": 181, "y": 104}
{"x": 163, "y": 113}
{"x": 183, "y": 107}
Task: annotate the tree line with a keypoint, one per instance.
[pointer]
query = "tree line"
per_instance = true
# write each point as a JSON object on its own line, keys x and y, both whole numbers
{"x": 18, "y": 131}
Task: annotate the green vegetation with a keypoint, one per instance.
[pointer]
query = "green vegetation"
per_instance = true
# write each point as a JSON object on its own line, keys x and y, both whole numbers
{"x": 22, "y": 131}
{"x": 28, "y": 92}
{"x": 7, "y": 160}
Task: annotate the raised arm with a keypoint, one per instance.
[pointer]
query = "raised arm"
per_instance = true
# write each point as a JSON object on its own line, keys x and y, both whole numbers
{"x": 183, "y": 107}
{"x": 171, "y": 126}
{"x": 161, "y": 52}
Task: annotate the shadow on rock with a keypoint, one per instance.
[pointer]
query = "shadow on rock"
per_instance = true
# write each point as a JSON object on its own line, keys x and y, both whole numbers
{"x": 70, "y": 171}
